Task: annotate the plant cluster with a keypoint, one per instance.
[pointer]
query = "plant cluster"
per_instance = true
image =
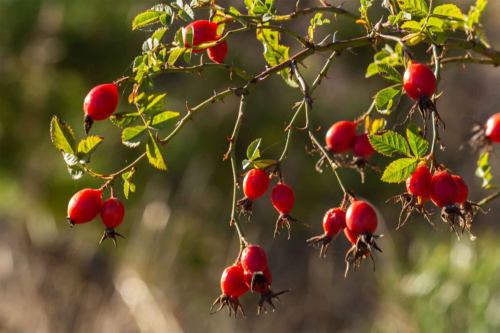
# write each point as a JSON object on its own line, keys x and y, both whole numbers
{"x": 410, "y": 23}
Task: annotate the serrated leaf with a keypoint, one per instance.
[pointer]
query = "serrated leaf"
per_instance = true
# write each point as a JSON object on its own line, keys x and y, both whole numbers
{"x": 166, "y": 19}
{"x": 124, "y": 119}
{"x": 378, "y": 125}
{"x": 154, "y": 104}
{"x": 390, "y": 143}
{"x": 371, "y": 70}
{"x": 262, "y": 164}
{"x": 450, "y": 12}
{"x": 412, "y": 26}
{"x": 62, "y": 135}
{"x": 131, "y": 137}
{"x": 387, "y": 100}
{"x": 399, "y": 170}
{"x": 389, "y": 73}
{"x": 156, "y": 154}
{"x": 187, "y": 13}
{"x": 246, "y": 164}
{"x": 127, "y": 175}
{"x": 414, "y": 7}
{"x": 484, "y": 171}
{"x": 71, "y": 159}
{"x": 433, "y": 21}
{"x": 189, "y": 35}
{"x": 138, "y": 61}
{"x": 174, "y": 55}
{"x": 163, "y": 119}
{"x": 87, "y": 146}
{"x": 158, "y": 34}
{"x": 187, "y": 55}
{"x": 146, "y": 18}
{"x": 417, "y": 143}
{"x": 127, "y": 188}
{"x": 179, "y": 37}
{"x": 253, "y": 150}
{"x": 435, "y": 34}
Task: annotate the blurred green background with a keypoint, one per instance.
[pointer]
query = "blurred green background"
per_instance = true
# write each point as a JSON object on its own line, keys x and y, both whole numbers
{"x": 165, "y": 275}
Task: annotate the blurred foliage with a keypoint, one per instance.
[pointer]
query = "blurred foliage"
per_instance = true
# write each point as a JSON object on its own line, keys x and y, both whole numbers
{"x": 165, "y": 275}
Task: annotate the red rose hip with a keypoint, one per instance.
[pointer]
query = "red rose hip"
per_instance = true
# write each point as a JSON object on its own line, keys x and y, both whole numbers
{"x": 283, "y": 198}
{"x": 112, "y": 214}
{"x": 418, "y": 183}
{"x": 84, "y": 206}
{"x": 362, "y": 147}
{"x": 255, "y": 184}
{"x": 493, "y": 128}
{"x": 254, "y": 259}
{"x": 203, "y": 32}
{"x": 463, "y": 189}
{"x": 100, "y": 104}
{"x": 218, "y": 53}
{"x": 334, "y": 222}
{"x": 340, "y": 136}
{"x": 443, "y": 190}
{"x": 361, "y": 218}
{"x": 418, "y": 81}
{"x": 232, "y": 280}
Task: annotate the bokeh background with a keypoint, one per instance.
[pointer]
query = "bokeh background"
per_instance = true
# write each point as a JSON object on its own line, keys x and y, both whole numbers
{"x": 165, "y": 275}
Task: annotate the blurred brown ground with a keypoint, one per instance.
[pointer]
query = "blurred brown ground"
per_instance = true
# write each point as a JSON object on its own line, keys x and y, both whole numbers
{"x": 165, "y": 276}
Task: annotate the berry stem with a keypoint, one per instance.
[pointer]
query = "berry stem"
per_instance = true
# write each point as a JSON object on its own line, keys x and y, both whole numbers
{"x": 310, "y": 129}
{"x": 315, "y": 84}
{"x": 437, "y": 74}
{"x": 234, "y": 166}
{"x": 489, "y": 198}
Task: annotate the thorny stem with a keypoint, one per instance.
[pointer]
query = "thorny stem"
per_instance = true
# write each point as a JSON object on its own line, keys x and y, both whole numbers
{"x": 317, "y": 82}
{"x": 310, "y": 129}
{"x": 234, "y": 166}
{"x": 437, "y": 74}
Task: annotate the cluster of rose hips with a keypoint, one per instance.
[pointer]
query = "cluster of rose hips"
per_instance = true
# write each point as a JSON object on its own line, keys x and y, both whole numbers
{"x": 448, "y": 192}
{"x": 249, "y": 273}
{"x": 205, "y": 32}
{"x": 359, "y": 224}
{"x": 255, "y": 185}
{"x": 86, "y": 204}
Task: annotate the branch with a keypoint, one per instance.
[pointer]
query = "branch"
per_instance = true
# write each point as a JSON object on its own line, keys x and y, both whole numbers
{"x": 488, "y": 199}
{"x": 437, "y": 74}
{"x": 330, "y": 9}
{"x": 467, "y": 59}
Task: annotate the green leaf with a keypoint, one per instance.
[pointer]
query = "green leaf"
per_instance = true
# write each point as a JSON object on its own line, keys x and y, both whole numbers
{"x": 190, "y": 35}
{"x": 435, "y": 34}
{"x": 163, "y": 119}
{"x": 390, "y": 73}
{"x": 475, "y": 13}
{"x": 131, "y": 137}
{"x": 76, "y": 171}
{"x": 483, "y": 171}
{"x": 124, "y": 119}
{"x": 179, "y": 37}
{"x": 156, "y": 154}
{"x": 253, "y": 150}
{"x": 154, "y": 104}
{"x": 187, "y": 55}
{"x": 399, "y": 170}
{"x": 412, "y": 26}
{"x": 417, "y": 143}
{"x": 414, "y": 7}
{"x": 62, "y": 136}
{"x": 87, "y": 146}
{"x": 174, "y": 55}
{"x": 158, "y": 34}
{"x": 387, "y": 100}
{"x": 433, "y": 21}
{"x": 137, "y": 63}
{"x": 262, "y": 164}
{"x": 450, "y": 12}
{"x": 371, "y": 70}
{"x": 127, "y": 188}
{"x": 187, "y": 14}
{"x": 146, "y": 18}
{"x": 389, "y": 143}
{"x": 246, "y": 164}
{"x": 234, "y": 11}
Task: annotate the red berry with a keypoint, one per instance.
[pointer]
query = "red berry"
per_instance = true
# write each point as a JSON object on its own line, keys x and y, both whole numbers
{"x": 283, "y": 198}
{"x": 232, "y": 280}
{"x": 255, "y": 184}
{"x": 463, "y": 189}
{"x": 203, "y": 32}
{"x": 334, "y": 222}
{"x": 257, "y": 288}
{"x": 350, "y": 236}
{"x": 218, "y": 52}
{"x": 361, "y": 218}
{"x": 254, "y": 259}
{"x": 84, "y": 206}
{"x": 362, "y": 147}
{"x": 341, "y": 136}
{"x": 101, "y": 102}
{"x": 422, "y": 200}
{"x": 419, "y": 80}
{"x": 444, "y": 191}
{"x": 493, "y": 128}
{"x": 418, "y": 183}
{"x": 112, "y": 213}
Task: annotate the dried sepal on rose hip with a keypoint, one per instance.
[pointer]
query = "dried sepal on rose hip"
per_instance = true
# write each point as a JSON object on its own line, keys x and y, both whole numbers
{"x": 416, "y": 195}
{"x": 112, "y": 214}
{"x": 361, "y": 224}
{"x": 420, "y": 85}
{"x": 262, "y": 285}
{"x": 333, "y": 224}
{"x": 99, "y": 104}
{"x": 232, "y": 284}
{"x": 255, "y": 185}
{"x": 283, "y": 199}
{"x": 362, "y": 150}
{"x": 485, "y": 134}
{"x": 468, "y": 208}
{"x": 84, "y": 206}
